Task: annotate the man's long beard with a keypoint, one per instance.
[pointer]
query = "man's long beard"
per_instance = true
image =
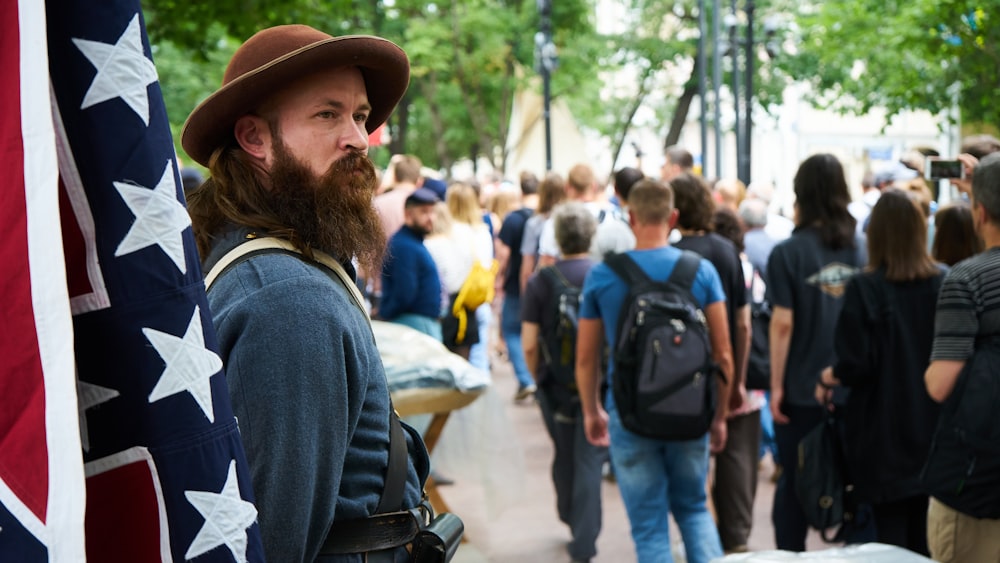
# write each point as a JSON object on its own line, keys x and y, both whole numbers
{"x": 333, "y": 213}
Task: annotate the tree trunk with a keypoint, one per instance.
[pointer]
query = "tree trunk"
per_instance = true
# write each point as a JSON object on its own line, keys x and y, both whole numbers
{"x": 683, "y": 106}
{"x": 401, "y": 117}
{"x": 640, "y": 96}
{"x": 429, "y": 90}
{"x": 506, "y": 100}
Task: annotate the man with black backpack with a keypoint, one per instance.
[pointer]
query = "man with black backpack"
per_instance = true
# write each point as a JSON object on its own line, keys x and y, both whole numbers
{"x": 962, "y": 473}
{"x": 663, "y": 312}
{"x": 549, "y": 312}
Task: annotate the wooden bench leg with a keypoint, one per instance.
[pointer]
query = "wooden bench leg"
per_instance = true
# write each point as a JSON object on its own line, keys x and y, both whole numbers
{"x": 430, "y": 440}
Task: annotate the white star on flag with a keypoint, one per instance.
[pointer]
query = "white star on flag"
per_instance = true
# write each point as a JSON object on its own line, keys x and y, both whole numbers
{"x": 160, "y": 218}
{"x": 123, "y": 71}
{"x": 89, "y": 396}
{"x": 190, "y": 366}
{"x": 227, "y": 517}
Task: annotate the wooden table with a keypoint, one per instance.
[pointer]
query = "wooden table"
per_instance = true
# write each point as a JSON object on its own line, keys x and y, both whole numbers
{"x": 439, "y": 402}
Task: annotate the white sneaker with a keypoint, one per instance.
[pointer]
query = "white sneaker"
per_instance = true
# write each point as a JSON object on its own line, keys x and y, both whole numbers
{"x": 525, "y": 392}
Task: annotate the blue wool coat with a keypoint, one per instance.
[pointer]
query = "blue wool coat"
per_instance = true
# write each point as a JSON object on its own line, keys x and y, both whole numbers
{"x": 309, "y": 391}
{"x": 410, "y": 281}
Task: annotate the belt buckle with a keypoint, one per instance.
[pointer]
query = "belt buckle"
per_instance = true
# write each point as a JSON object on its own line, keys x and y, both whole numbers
{"x": 424, "y": 512}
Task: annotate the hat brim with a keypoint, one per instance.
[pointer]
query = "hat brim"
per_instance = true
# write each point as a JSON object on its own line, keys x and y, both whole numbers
{"x": 384, "y": 66}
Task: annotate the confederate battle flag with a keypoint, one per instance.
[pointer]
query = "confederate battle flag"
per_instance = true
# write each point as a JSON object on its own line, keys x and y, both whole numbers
{"x": 117, "y": 439}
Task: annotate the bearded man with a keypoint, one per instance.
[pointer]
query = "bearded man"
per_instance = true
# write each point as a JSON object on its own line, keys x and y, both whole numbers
{"x": 411, "y": 286}
{"x": 285, "y": 140}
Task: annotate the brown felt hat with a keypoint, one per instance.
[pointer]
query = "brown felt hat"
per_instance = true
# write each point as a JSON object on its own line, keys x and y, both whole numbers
{"x": 277, "y": 56}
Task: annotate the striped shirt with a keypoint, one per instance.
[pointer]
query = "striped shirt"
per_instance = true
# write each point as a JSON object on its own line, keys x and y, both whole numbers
{"x": 968, "y": 306}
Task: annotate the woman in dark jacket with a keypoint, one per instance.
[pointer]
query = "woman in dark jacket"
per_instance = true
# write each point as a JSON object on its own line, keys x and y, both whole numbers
{"x": 882, "y": 342}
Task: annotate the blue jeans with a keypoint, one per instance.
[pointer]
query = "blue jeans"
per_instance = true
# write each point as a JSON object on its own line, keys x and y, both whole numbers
{"x": 767, "y": 441}
{"x": 479, "y": 353}
{"x": 510, "y": 327}
{"x": 655, "y": 478}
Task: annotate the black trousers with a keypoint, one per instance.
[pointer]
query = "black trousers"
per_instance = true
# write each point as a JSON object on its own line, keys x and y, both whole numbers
{"x": 576, "y": 474}
{"x": 903, "y": 523}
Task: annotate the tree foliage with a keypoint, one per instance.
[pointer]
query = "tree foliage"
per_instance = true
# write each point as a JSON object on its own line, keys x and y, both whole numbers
{"x": 902, "y": 55}
{"x": 467, "y": 57}
{"x": 464, "y": 56}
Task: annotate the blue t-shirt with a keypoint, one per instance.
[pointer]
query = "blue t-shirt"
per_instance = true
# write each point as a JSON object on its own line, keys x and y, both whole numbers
{"x": 604, "y": 292}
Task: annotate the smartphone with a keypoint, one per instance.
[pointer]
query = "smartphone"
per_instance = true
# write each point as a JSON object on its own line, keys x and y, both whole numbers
{"x": 940, "y": 169}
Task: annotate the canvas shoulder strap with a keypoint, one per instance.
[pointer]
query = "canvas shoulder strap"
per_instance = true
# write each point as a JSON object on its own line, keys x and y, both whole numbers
{"x": 268, "y": 245}
{"x": 395, "y": 479}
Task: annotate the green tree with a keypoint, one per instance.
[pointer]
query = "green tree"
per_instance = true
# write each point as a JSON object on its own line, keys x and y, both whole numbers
{"x": 652, "y": 61}
{"x": 901, "y": 55}
{"x": 464, "y": 56}
{"x": 186, "y": 80}
{"x": 468, "y": 57}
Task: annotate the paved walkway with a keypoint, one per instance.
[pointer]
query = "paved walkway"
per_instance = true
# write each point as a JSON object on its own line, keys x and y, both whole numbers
{"x": 507, "y": 501}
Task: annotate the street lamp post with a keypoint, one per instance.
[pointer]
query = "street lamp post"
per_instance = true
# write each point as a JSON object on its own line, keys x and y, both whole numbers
{"x": 547, "y": 61}
{"x": 732, "y": 22}
{"x": 744, "y": 160}
{"x": 702, "y": 86}
{"x": 743, "y": 101}
{"x": 716, "y": 86}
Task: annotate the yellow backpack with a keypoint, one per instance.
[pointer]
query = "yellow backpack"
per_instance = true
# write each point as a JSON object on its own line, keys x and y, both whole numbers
{"x": 478, "y": 288}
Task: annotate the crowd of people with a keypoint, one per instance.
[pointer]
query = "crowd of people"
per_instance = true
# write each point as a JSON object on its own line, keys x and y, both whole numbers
{"x": 852, "y": 295}
{"x": 882, "y": 310}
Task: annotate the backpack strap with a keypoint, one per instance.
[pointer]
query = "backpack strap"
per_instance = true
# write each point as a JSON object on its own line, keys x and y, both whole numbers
{"x": 556, "y": 278}
{"x": 395, "y": 478}
{"x": 686, "y": 269}
{"x": 626, "y": 268}
{"x": 683, "y": 274}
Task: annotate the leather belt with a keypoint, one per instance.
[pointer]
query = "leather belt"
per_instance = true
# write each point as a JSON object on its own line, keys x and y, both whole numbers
{"x": 374, "y": 533}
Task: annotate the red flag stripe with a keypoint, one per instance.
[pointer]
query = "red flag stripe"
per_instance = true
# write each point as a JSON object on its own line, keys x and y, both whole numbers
{"x": 125, "y": 494}
{"x": 41, "y": 474}
{"x": 87, "y": 289}
{"x": 23, "y": 459}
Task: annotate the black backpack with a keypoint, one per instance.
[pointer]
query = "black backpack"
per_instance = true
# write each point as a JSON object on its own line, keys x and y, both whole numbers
{"x": 963, "y": 466}
{"x": 558, "y": 343}
{"x": 759, "y": 362}
{"x": 663, "y": 385}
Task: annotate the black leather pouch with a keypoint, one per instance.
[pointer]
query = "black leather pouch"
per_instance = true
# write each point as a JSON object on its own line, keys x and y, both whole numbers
{"x": 438, "y": 542}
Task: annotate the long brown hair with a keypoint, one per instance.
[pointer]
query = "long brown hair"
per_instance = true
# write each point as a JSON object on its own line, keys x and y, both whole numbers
{"x": 551, "y": 192}
{"x": 234, "y": 193}
{"x": 897, "y": 238}
{"x": 821, "y": 198}
{"x": 332, "y": 212}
